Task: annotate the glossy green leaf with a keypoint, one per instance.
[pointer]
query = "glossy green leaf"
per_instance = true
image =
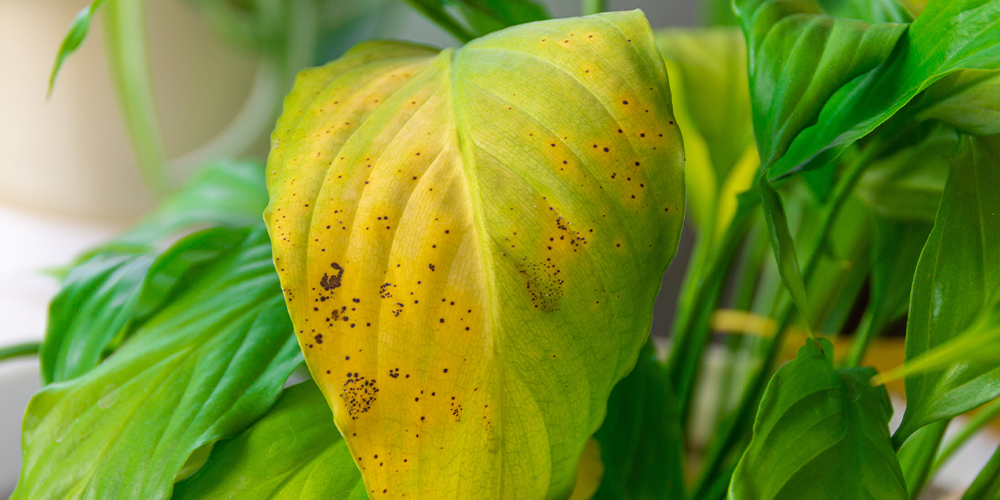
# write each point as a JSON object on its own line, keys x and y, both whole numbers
{"x": 968, "y": 100}
{"x": 948, "y": 36}
{"x": 708, "y": 71}
{"x": 820, "y": 434}
{"x": 200, "y": 369}
{"x": 799, "y": 57}
{"x": 476, "y": 238}
{"x": 987, "y": 483}
{"x": 99, "y": 302}
{"x": 293, "y": 452}
{"x": 784, "y": 247}
{"x": 957, "y": 281}
{"x": 74, "y": 37}
{"x": 907, "y": 184}
{"x": 481, "y": 16}
{"x": 641, "y": 441}
{"x": 869, "y": 11}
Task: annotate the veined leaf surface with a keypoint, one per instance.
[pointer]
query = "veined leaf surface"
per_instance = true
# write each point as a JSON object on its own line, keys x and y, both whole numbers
{"x": 470, "y": 243}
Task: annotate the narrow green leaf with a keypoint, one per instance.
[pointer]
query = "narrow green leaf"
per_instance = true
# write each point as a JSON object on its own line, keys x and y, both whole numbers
{"x": 799, "y": 57}
{"x": 202, "y": 368}
{"x": 641, "y": 441}
{"x": 916, "y": 457}
{"x": 294, "y": 452}
{"x": 784, "y": 248}
{"x": 487, "y": 16}
{"x": 74, "y": 37}
{"x": 398, "y": 179}
{"x": 949, "y": 35}
{"x": 968, "y": 100}
{"x": 987, "y": 483}
{"x": 820, "y": 434}
{"x": 957, "y": 281}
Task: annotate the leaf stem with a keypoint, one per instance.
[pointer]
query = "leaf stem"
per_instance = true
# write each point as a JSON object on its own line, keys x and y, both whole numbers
{"x": 18, "y": 350}
{"x": 443, "y": 20}
{"x": 984, "y": 416}
{"x": 128, "y": 54}
{"x": 589, "y": 7}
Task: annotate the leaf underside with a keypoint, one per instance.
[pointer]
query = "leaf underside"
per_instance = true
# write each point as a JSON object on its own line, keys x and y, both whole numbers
{"x": 470, "y": 243}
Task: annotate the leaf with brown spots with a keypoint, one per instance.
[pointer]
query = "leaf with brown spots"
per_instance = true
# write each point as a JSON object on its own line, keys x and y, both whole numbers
{"x": 502, "y": 214}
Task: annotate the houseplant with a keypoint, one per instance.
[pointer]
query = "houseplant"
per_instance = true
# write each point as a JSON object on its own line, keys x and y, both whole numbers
{"x": 852, "y": 141}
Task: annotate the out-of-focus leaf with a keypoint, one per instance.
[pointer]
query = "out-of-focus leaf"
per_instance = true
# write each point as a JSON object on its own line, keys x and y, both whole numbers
{"x": 987, "y": 483}
{"x": 711, "y": 101}
{"x": 907, "y": 184}
{"x": 488, "y": 224}
{"x": 799, "y": 57}
{"x": 820, "y": 434}
{"x": 481, "y": 16}
{"x": 641, "y": 441}
{"x": 784, "y": 247}
{"x": 202, "y": 368}
{"x": 949, "y": 35}
{"x": 968, "y": 100}
{"x": 293, "y": 452}
{"x": 99, "y": 301}
{"x": 953, "y": 303}
{"x": 74, "y": 37}
{"x": 917, "y": 456}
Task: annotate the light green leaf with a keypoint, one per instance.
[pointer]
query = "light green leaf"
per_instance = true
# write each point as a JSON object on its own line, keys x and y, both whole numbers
{"x": 955, "y": 290}
{"x": 949, "y": 35}
{"x": 820, "y": 434}
{"x": 202, "y": 368}
{"x": 968, "y": 100}
{"x": 916, "y": 457}
{"x": 784, "y": 247}
{"x": 293, "y": 452}
{"x": 907, "y": 184}
{"x": 488, "y": 224}
{"x": 799, "y": 57}
{"x": 641, "y": 441}
{"x": 711, "y": 101}
{"x": 99, "y": 302}
{"x": 74, "y": 37}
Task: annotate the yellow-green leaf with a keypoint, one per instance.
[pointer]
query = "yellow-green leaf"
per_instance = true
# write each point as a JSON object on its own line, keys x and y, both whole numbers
{"x": 470, "y": 243}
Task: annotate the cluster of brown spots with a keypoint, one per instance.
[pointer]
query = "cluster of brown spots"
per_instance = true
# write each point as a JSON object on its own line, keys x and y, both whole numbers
{"x": 456, "y": 410}
{"x": 358, "y": 394}
{"x": 394, "y": 373}
{"x": 330, "y": 282}
{"x": 384, "y": 291}
{"x": 336, "y": 314}
{"x": 543, "y": 284}
{"x": 399, "y": 310}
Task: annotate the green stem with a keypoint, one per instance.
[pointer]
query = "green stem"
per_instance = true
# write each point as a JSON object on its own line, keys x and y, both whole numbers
{"x": 984, "y": 416}
{"x": 128, "y": 55}
{"x": 593, "y": 7}
{"x": 442, "y": 19}
{"x": 15, "y": 351}
{"x": 734, "y": 429}
{"x": 869, "y": 327}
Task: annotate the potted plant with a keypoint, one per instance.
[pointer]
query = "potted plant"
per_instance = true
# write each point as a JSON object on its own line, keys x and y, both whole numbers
{"x": 463, "y": 246}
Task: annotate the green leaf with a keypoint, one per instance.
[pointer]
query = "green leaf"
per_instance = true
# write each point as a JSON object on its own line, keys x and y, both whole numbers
{"x": 488, "y": 224}
{"x": 200, "y": 369}
{"x": 907, "y": 183}
{"x": 99, "y": 302}
{"x": 641, "y": 441}
{"x": 784, "y": 247}
{"x": 987, "y": 484}
{"x": 820, "y": 434}
{"x": 708, "y": 70}
{"x": 869, "y": 11}
{"x": 293, "y": 452}
{"x": 799, "y": 57}
{"x": 968, "y": 100}
{"x": 74, "y": 37}
{"x": 481, "y": 16}
{"x": 946, "y": 37}
{"x": 957, "y": 281}
{"x": 916, "y": 457}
